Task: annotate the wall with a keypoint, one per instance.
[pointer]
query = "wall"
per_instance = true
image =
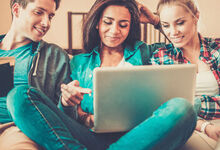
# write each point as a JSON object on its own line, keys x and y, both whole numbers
{"x": 209, "y": 18}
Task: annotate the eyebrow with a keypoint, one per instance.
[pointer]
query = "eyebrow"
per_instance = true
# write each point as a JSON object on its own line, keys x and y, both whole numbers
{"x": 175, "y": 20}
{"x": 114, "y": 19}
{"x": 52, "y": 14}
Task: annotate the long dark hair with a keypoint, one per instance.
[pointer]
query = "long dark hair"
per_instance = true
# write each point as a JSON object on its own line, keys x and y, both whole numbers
{"x": 91, "y": 37}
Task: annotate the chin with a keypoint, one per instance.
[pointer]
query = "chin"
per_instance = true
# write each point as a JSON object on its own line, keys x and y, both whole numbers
{"x": 36, "y": 39}
{"x": 179, "y": 45}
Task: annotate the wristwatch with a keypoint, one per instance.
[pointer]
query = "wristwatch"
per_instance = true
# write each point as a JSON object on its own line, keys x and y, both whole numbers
{"x": 203, "y": 126}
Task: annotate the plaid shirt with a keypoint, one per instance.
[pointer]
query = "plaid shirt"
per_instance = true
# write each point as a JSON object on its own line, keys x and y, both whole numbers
{"x": 210, "y": 54}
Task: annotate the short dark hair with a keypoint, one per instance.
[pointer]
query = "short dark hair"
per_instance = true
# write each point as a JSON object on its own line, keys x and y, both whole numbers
{"x": 24, "y": 3}
{"x": 91, "y": 37}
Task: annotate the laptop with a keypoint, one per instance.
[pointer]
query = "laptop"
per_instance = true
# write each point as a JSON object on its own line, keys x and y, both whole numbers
{"x": 126, "y": 96}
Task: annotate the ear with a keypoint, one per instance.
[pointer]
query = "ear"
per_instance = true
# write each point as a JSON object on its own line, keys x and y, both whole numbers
{"x": 16, "y": 9}
{"x": 197, "y": 17}
{"x": 97, "y": 26}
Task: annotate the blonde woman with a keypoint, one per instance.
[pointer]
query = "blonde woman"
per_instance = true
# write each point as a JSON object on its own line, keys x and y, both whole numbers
{"x": 178, "y": 20}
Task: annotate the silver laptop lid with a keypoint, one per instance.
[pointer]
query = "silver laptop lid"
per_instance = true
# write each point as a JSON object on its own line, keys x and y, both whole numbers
{"x": 125, "y": 96}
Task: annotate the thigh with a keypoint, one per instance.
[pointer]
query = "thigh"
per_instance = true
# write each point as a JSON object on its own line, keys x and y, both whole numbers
{"x": 11, "y": 138}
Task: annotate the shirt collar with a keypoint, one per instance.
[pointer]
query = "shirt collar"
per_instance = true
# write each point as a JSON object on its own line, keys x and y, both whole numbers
{"x": 128, "y": 50}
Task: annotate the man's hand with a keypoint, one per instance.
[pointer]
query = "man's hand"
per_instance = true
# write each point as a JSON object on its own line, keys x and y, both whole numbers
{"x": 72, "y": 93}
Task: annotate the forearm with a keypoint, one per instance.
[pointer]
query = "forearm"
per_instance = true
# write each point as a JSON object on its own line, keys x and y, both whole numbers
{"x": 154, "y": 19}
{"x": 82, "y": 116}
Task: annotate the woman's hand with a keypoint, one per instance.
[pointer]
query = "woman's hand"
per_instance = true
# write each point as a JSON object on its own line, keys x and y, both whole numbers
{"x": 89, "y": 121}
{"x": 146, "y": 16}
{"x": 85, "y": 118}
{"x": 213, "y": 131}
{"x": 72, "y": 93}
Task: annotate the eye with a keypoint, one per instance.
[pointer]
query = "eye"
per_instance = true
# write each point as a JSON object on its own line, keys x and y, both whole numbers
{"x": 165, "y": 25}
{"x": 51, "y": 17}
{"x": 107, "y": 21}
{"x": 123, "y": 24}
{"x": 38, "y": 12}
{"x": 180, "y": 22}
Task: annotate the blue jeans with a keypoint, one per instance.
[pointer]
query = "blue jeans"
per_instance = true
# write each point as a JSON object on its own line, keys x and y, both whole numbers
{"x": 34, "y": 113}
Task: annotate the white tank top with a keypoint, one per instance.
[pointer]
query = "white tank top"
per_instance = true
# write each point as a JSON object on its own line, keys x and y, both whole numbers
{"x": 123, "y": 63}
{"x": 206, "y": 83}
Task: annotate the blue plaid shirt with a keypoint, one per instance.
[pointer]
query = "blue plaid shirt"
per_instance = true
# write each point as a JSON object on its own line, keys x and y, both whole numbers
{"x": 209, "y": 54}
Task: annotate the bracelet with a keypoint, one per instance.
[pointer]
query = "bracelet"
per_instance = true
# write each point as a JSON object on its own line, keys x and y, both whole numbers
{"x": 204, "y": 125}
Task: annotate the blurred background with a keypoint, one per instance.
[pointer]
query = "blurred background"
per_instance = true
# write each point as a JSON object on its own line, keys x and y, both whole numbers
{"x": 209, "y": 23}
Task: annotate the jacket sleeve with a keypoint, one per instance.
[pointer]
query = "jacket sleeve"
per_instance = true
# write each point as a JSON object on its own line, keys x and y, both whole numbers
{"x": 64, "y": 77}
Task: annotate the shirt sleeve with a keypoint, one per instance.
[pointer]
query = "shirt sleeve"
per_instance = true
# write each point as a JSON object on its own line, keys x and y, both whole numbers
{"x": 210, "y": 107}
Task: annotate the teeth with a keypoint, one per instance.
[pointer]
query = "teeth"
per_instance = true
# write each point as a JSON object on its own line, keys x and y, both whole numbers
{"x": 177, "y": 39}
{"x": 40, "y": 30}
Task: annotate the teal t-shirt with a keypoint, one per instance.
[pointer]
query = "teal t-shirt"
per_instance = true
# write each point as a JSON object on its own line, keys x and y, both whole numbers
{"x": 23, "y": 56}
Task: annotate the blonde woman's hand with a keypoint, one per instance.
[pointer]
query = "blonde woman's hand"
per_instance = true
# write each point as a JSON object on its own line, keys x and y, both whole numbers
{"x": 72, "y": 93}
{"x": 146, "y": 16}
{"x": 213, "y": 131}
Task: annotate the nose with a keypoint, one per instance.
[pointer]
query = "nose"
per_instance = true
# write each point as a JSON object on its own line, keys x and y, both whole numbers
{"x": 45, "y": 21}
{"x": 174, "y": 31}
{"x": 115, "y": 29}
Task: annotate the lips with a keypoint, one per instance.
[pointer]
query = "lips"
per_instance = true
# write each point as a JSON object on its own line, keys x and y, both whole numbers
{"x": 112, "y": 38}
{"x": 176, "y": 39}
{"x": 41, "y": 31}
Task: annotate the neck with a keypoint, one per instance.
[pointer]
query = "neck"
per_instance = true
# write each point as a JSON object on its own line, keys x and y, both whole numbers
{"x": 192, "y": 50}
{"x": 111, "y": 56}
{"x": 12, "y": 40}
{"x": 194, "y": 45}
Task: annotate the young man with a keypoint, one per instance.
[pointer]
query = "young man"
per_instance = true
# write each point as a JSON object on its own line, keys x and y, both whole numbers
{"x": 38, "y": 64}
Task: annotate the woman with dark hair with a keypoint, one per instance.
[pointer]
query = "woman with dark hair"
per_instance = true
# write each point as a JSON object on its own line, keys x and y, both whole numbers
{"x": 111, "y": 38}
{"x": 91, "y": 37}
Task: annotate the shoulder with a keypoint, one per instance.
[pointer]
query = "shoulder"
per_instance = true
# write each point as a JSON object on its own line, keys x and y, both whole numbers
{"x": 213, "y": 43}
{"x": 80, "y": 58}
{"x": 165, "y": 50}
{"x": 51, "y": 49}
{"x": 80, "y": 61}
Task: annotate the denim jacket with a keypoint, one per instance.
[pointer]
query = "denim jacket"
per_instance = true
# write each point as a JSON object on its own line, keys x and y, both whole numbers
{"x": 82, "y": 66}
